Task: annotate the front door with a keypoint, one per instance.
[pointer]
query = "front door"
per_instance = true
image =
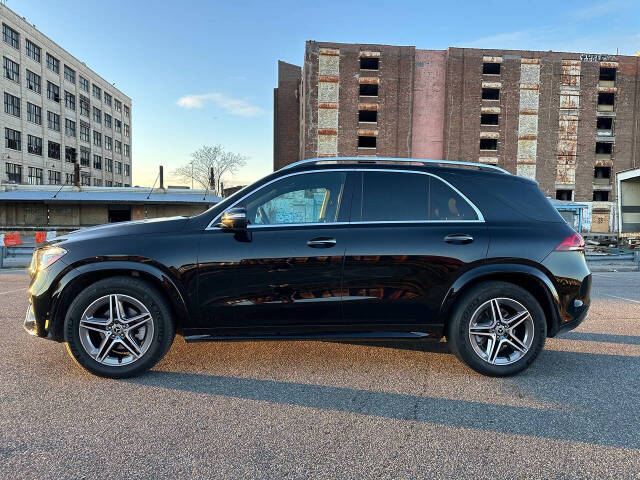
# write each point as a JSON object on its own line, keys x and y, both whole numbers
{"x": 285, "y": 272}
{"x": 415, "y": 235}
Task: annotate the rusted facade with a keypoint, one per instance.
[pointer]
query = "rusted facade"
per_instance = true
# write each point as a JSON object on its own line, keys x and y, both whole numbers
{"x": 568, "y": 120}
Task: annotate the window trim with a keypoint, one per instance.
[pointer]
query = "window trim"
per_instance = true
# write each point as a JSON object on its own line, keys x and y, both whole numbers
{"x": 480, "y": 219}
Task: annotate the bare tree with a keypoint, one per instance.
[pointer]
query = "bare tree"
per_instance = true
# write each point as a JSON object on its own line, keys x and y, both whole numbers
{"x": 210, "y": 157}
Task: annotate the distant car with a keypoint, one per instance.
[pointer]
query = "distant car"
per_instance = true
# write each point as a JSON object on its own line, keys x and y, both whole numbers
{"x": 324, "y": 249}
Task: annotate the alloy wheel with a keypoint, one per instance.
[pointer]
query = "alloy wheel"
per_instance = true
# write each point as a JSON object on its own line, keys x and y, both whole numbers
{"x": 501, "y": 331}
{"x": 116, "y": 330}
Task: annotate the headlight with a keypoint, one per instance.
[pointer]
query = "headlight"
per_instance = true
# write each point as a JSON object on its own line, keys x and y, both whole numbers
{"x": 44, "y": 257}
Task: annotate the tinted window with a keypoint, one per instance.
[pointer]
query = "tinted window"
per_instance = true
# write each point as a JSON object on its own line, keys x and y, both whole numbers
{"x": 306, "y": 198}
{"x": 390, "y": 196}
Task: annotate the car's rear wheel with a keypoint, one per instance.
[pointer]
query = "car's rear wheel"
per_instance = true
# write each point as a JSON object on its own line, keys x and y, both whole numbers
{"x": 119, "y": 327}
{"x": 497, "y": 329}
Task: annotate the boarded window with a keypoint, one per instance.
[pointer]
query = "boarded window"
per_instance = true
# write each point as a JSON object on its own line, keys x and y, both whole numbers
{"x": 367, "y": 63}
{"x": 491, "y": 68}
{"x": 491, "y": 94}
{"x": 369, "y": 89}
{"x": 488, "y": 144}
{"x": 489, "y": 119}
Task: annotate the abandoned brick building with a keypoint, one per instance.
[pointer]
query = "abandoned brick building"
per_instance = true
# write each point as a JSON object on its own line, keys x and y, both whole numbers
{"x": 567, "y": 120}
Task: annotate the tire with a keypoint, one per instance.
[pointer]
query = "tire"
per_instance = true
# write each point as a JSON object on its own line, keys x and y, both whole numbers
{"x": 139, "y": 336}
{"x": 477, "y": 309}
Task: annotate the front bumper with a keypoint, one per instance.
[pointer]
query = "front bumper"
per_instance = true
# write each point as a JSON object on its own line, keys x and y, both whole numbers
{"x": 30, "y": 324}
{"x": 570, "y": 325}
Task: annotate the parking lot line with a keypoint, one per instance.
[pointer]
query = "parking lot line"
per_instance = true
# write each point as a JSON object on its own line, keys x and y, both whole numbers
{"x": 621, "y": 298}
{"x": 14, "y": 291}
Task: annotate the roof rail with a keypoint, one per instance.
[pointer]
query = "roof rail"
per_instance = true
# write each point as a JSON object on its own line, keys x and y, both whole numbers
{"x": 383, "y": 160}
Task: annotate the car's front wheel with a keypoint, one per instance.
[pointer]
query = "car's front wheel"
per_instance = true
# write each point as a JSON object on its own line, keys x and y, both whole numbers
{"x": 119, "y": 327}
{"x": 497, "y": 329}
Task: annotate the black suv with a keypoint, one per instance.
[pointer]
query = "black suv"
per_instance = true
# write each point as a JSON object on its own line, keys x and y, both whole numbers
{"x": 324, "y": 249}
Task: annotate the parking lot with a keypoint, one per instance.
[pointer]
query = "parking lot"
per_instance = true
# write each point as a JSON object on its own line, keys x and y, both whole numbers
{"x": 328, "y": 410}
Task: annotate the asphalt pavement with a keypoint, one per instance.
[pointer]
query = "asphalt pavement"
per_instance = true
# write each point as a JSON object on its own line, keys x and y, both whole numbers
{"x": 328, "y": 410}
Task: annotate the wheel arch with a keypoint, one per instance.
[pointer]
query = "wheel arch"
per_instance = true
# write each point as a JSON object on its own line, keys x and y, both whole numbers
{"x": 76, "y": 280}
{"x": 532, "y": 279}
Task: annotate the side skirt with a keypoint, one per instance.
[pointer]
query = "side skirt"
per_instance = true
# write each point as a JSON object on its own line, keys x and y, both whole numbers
{"x": 315, "y": 336}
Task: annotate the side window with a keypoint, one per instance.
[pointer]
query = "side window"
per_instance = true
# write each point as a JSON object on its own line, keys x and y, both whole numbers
{"x": 389, "y": 196}
{"x": 304, "y": 198}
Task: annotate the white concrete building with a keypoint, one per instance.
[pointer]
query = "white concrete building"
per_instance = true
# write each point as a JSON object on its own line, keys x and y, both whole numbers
{"x": 57, "y": 111}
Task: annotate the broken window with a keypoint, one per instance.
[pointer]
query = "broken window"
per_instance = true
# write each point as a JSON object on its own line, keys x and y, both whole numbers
{"x": 491, "y": 94}
{"x": 602, "y": 172}
{"x": 366, "y": 141}
{"x": 491, "y": 68}
{"x": 604, "y": 147}
{"x": 369, "y": 89}
{"x": 600, "y": 196}
{"x": 606, "y": 101}
{"x": 605, "y": 125}
{"x": 489, "y": 119}
{"x": 368, "y": 63}
{"x": 367, "y": 115}
{"x": 564, "y": 195}
{"x": 607, "y": 74}
{"x": 488, "y": 144}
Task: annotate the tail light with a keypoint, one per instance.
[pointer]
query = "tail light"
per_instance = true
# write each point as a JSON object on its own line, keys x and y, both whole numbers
{"x": 571, "y": 243}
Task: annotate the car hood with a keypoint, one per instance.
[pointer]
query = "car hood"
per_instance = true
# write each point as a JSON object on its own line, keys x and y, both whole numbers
{"x": 136, "y": 227}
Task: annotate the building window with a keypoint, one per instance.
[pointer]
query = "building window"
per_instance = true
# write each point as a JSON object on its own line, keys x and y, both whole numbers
{"x": 53, "y": 63}
{"x": 607, "y": 75}
{"x": 83, "y": 83}
{"x": 53, "y": 121}
{"x": 85, "y": 179}
{"x": 600, "y": 196}
{"x": 12, "y": 139}
{"x": 489, "y": 119}
{"x": 107, "y": 120}
{"x": 117, "y": 105}
{"x": 68, "y": 179}
{"x": 566, "y": 195}
{"x": 84, "y": 105}
{"x": 118, "y": 184}
{"x": 11, "y": 70}
{"x": 97, "y": 92}
{"x": 34, "y": 145}
{"x": 70, "y": 155}
{"x": 97, "y": 182}
{"x": 118, "y": 125}
{"x": 126, "y": 111}
{"x": 491, "y": 68}
{"x": 33, "y": 81}
{"x": 108, "y": 165}
{"x": 69, "y": 74}
{"x": 54, "y": 150}
{"x": 53, "y": 92}
{"x": 35, "y": 176}
{"x": 69, "y": 100}
{"x": 488, "y": 144}
{"x": 34, "y": 114}
{"x": 118, "y": 146}
{"x": 118, "y": 168}
{"x": 602, "y": 173}
{"x": 97, "y": 162}
{"x": 606, "y": 102}
{"x": 491, "y": 94}
{"x": 369, "y": 116}
{"x": 365, "y": 141}
{"x": 127, "y": 152}
{"x": 11, "y": 105}
{"x": 127, "y": 170}
{"x": 605, "y": 125}
{"x": 33, "y": 50}
{"x": 108, "y": 144}
{"x": 84, "y": 156}
{"x": 84, "y": 131}
{"x": 108, "y": 183}
{"x": 604, "y": 148}
{"x": 126, "y": 130}
{"x": 368, "y": 89}
{"x": 97, "y": 138}
{"x": 97, "y": 115}
{"x": 14, "y": 172}
{"x": 69, "y": 127}
{"x": 369, "y": 63}
{"x": 10, "y": 36}
{"x": 107, "y": 99}
{"x": 54, "y": 178}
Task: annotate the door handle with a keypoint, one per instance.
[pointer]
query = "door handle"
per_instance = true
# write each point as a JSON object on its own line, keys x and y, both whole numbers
{"x": 322, "y": 242}
{"x": 458, "y": 238}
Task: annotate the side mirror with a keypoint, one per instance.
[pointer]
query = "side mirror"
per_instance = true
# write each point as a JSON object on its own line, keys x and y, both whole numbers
{"x": 234, "y": 219}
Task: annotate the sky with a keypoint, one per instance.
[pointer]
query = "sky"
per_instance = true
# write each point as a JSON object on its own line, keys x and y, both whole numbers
{"x": 203, "y": 72}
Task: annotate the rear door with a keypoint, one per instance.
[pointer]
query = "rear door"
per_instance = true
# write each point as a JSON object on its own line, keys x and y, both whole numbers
{"x": 412, "y": 235}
